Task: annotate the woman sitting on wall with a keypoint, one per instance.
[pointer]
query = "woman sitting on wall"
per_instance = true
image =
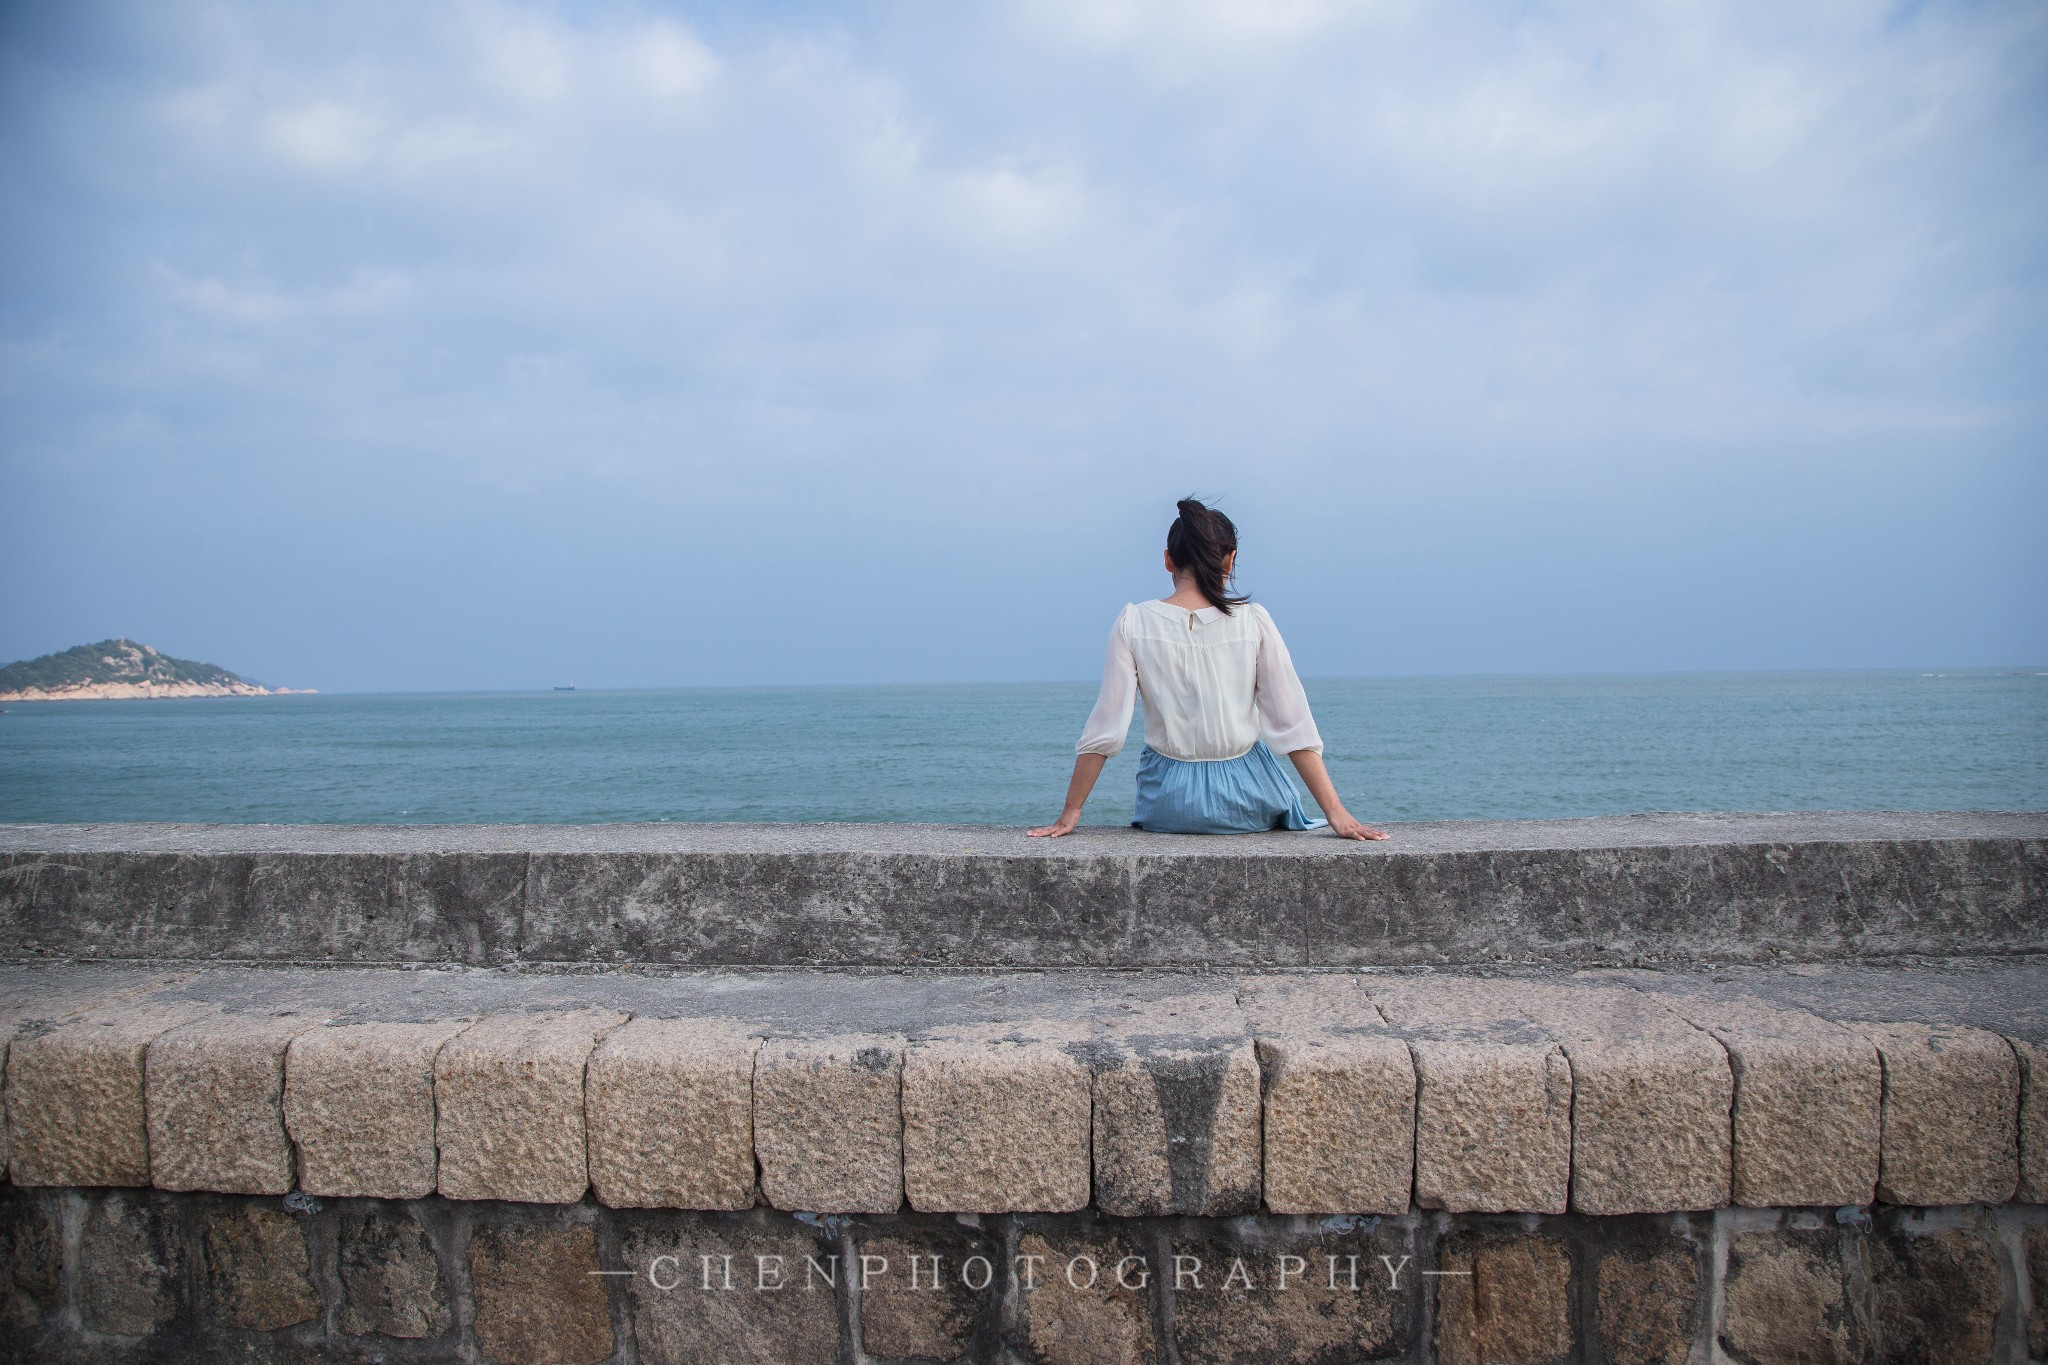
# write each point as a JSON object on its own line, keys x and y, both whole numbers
{"x": 1211, "y": 668}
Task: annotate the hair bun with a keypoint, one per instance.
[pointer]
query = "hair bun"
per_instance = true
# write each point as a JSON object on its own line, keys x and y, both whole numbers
{"x": 1199, "y": 542}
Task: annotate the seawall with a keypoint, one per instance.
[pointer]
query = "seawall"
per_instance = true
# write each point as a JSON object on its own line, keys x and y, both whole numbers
{"x": 1513, "y": 1093}
{"x": 1733, "y": 888}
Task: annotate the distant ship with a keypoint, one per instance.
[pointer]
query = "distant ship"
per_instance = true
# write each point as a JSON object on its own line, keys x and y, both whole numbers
{"x": 570, "y": 688}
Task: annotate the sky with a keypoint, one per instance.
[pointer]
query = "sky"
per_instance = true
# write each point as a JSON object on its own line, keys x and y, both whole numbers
{"x": 496, "y": 345}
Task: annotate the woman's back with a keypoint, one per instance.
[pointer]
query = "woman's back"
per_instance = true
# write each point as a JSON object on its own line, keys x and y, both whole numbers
{"x": 1220, "y": 694}
{"x": 1205, "y": 676}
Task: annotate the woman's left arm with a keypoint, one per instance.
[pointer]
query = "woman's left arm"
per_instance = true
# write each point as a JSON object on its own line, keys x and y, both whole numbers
{"x": 1284, "y": 703}
{"x": 1309, "y": 763}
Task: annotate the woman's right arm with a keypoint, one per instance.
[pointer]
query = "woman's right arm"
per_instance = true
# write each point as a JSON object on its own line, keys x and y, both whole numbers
{"x": 1104, "y": 733}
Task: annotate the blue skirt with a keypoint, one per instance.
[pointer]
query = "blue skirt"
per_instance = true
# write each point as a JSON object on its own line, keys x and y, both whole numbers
{"x": 1223, "y": 796}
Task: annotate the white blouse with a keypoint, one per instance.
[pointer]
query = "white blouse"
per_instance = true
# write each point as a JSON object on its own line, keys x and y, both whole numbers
{"x": 1208, "y": 680}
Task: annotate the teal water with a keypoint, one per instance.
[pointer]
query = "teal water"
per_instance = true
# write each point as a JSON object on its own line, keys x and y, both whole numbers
{"x": 1400, "y": 748}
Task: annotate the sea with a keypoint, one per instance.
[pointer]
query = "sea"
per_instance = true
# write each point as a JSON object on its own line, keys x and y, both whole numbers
{"x": 1448, "y": 748}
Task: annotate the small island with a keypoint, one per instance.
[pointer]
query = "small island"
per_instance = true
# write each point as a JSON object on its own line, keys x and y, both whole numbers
{"x": 121, "y": 669}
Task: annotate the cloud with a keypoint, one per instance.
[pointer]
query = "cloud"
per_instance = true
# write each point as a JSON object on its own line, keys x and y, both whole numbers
{"x": 820, "y": 281}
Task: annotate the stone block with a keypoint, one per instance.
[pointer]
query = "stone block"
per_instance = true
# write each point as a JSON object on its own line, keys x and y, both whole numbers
{"x": 258, "y": 1274}
{"x": 1493, "y": 1103}
{"x": 828, "y": 1123}
{"x": 1649, "y": 1306}
{"x": 1176, "y": 1127}
{"x": 391, "y": 1279}
{"x": 1652, "y": 1100}
{"x": 538, "y": 1298}
{"x": 1807, "y": 1103}
{"x": 75, "y": 1096}
{"x": 359, "y": 1106}
{"x": 31, "y": 1259}
{"x": 1084, "y": 1298}
{"x": 1951, "y": 1115}
{"x": 1505, "y": 1299}
{"x": 508, "y": 1094}
{"x": 918, "y": 1296}
{"x": 2033, "y": 1061}
{"x": 773, "y": 1302}
{"x": 131, "y": 1264}
{"x": 1287, "y": 1298}
{"x": 1339, "y": 1133}
{"x": 1493, "y": 1126}
{"x": 995, "y": 1127}
{"x": 215, "y": 1092}
{"x": 1786, "y": 1297}
{"x": 2037, "y": 1280}
{"x": 1935, "y": 1298}
{"x": 671, "y": 1112}
{"x": 1650, "y": 1124}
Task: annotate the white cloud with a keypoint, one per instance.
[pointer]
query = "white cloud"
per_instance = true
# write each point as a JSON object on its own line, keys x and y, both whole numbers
{"x": 727, "y": 260}
{"x": 323, "y": 135}
{"x": 669, "y": 59}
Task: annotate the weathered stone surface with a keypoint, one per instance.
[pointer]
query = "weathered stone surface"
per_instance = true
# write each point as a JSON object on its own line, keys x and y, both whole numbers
{"x": 1649, "y": 1306}
{"x": 359, "y": 1105}
{"x": 1176, "y": 1127}
{"x": 1935, "y": 1298}
{"x": 2037, "y": 1277}
{"x": 1503, "y": 1299}
{"x": 390, "y": 1277}
{"x": 444, "y": 905}
{"x": 258, "y": 1273}
{"x": 1339, "y": 1102}
{"x": 1951, "y": 1114}
{"x": 1233, "y": 1309}
{"x": 1785, "y": 1297}
{"x": 828, "y": 1123}
{"x": 1807, "y": 1098}
{"x": 781, "y": 1307}
{"x": 1339, "y": 1124}
{"x": 827, "y": 898}
{"x": 130, "y": 1261}
{"x": 31, "y": 1256}
{"x": 215, "y": 1090}
{"x": 75, "y": 1096}
{"x": 537, "y": 1300}
{"x": 2033, "y": 1060}
{"x": 1652, "y": 1099}
{"x": 1103, "y": 1318}
{"x": 670, "y": 1104}
{"x": 85, "y": 896}
{"x": 1723, "y": 888}
{"x": 508, "y": 1092}
{"x": 995, "y": 1127}
{"x": 912, "y": 1305}
{"x": 1493, "y": 1126}
{"x": 1493, "y": 1109}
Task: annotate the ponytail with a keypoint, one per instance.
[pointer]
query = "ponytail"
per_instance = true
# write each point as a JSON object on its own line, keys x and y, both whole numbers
{"x": 1197, "y": 543}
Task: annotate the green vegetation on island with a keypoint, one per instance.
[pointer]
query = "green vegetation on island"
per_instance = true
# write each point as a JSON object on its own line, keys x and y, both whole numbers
{"x": 119, "y": 668}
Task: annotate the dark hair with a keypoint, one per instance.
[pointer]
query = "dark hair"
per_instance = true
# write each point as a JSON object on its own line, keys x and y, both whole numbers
{"x": 1197, "y": 542}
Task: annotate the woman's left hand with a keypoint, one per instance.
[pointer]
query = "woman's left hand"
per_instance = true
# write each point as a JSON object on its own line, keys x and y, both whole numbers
{"x": 1344, "y": 827}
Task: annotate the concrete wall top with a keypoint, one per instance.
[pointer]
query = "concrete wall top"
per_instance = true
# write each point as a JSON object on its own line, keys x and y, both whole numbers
{"x": 1439, "y": 836}
{"x": 1643, "y": 888}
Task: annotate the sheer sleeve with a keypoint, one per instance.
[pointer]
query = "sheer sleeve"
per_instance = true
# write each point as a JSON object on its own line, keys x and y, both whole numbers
{"x": 1110, "y": 721}
{"x": 1282, "y": 702}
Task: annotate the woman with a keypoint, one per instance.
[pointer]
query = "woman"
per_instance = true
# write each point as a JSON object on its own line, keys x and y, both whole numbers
{"x": 1210, "y": 667}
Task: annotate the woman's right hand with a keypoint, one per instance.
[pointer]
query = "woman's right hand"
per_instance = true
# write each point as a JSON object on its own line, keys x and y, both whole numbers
{"x": 1064, "y": 825}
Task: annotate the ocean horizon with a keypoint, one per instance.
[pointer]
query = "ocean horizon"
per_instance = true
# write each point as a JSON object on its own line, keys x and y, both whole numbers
{"x": 1503, "y": 746}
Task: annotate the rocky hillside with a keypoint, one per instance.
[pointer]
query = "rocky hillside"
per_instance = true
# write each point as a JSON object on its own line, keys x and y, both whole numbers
{"x": 120, "y": 669}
